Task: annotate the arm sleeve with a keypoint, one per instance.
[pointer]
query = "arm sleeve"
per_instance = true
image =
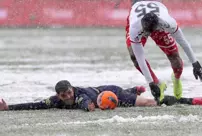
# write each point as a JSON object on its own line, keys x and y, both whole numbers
{"x": 139, "y": 54}
{"x": 83, "y": 101}
{"x": 181, "y": 40}
{"x": 51, "y": 102}
{"x": 29, "y": 106}
{"x": 136, "y": 34}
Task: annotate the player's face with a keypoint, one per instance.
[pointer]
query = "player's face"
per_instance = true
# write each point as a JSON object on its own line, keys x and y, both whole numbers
{"x": 67, "y": 96}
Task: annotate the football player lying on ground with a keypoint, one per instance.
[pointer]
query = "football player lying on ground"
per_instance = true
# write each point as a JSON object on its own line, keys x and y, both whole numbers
{"x": 70, "y": 97}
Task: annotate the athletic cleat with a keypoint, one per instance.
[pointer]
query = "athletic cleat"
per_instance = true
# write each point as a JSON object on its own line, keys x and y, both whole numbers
{"x": 197, "y": 101}
{"x": 162, "y": 86}
{"x": 177, "y": 87}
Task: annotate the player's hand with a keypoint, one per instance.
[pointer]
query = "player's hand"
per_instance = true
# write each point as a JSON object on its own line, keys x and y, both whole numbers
{"x": 140, "y": 90}
{"x": 3, "y": 105}
{"x": 91, "y": 106}
{"x": 197, "y": 70}
{"x": 155, "y": 90}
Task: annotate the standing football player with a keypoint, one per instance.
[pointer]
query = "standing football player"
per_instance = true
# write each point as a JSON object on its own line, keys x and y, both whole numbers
{"x": 151, "y": 18}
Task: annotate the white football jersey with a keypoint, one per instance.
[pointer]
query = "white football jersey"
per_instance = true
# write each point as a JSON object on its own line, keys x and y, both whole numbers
{"x": 139, "y": 9}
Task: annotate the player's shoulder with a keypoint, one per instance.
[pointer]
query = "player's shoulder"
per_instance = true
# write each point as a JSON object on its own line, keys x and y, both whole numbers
{"x": 168, "y": 23}
{"x": 135, "y": 24}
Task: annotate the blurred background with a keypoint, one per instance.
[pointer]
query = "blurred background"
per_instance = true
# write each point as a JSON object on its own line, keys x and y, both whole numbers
{"x": 86, "y": 13}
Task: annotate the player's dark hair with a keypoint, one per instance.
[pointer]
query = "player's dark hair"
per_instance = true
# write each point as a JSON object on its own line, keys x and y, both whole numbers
{"x": 150, "y": 22}
{"x": 62, "y": 86}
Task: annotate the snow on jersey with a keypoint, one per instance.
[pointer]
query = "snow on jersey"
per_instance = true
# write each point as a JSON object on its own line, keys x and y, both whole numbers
{"x": 139, "y": 9}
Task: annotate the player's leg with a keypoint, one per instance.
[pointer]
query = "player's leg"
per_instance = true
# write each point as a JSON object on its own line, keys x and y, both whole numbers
{"x": 168, "y": 45}
{"x": 128, "y": 98}
{"x": 171, "y": 100}
{"x": 177, "y": 66}
{"x": 142, "y": 101}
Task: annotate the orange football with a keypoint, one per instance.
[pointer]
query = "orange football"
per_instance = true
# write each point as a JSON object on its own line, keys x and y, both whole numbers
{"x": 107, "y": 100}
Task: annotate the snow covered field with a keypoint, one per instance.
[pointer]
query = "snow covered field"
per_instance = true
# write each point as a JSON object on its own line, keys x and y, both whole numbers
{"x": 33, "y": 60}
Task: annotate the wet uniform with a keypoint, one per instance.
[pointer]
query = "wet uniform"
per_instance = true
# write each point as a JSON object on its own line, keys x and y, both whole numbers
{"x": 83, "y": 96}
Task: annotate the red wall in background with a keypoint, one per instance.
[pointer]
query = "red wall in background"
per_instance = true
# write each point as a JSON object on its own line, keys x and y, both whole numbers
{"x": 85, "y": 13}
